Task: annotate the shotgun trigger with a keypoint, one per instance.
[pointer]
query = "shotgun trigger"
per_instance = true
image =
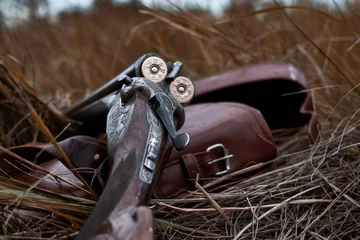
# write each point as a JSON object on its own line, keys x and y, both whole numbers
{"x": 164, "y": 109}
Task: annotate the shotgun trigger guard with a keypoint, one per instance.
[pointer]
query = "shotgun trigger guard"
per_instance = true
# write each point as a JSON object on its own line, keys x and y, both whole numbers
{"x": 165, "y": 110}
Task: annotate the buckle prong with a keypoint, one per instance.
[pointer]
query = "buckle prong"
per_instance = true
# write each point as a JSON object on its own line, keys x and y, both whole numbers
{"x": 225, "y": 158}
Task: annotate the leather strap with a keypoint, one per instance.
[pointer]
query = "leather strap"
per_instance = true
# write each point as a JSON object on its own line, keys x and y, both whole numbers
{"x": 198, "y": 163}
{"x": 181, "y": 174}
{"x": 177, "y": 177}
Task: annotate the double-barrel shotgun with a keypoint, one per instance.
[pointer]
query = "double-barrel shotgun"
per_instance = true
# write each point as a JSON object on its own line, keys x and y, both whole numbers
{"x": 143, "y": 110}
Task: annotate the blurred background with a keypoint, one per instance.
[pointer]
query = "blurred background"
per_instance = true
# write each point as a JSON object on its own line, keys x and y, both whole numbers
{"x": 67, "y": 48}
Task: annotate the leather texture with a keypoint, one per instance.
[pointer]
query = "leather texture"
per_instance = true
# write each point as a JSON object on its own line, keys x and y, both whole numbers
{"x": 86, "y": 154}
{"x": 237, "y": 109}
{"x": 276, "y": 89}
{"x": 241, "y": 129}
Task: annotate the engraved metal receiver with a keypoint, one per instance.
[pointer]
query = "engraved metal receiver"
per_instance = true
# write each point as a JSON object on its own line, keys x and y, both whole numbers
{"x": 166, "y": 92}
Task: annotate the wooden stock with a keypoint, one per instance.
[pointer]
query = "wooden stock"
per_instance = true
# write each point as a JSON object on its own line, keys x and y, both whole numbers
{"x": 136, "y": 123}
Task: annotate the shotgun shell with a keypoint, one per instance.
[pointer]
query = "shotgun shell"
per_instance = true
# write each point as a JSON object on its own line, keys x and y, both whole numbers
{"x": 182, "y": 89}
{"x": 154, "y": 69}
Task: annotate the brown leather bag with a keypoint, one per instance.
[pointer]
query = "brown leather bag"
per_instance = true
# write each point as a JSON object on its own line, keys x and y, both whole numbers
{"x": 229, "y": 123}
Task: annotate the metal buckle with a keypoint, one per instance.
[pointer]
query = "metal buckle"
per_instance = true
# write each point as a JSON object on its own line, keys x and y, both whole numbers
{"x": 225, "y": 158}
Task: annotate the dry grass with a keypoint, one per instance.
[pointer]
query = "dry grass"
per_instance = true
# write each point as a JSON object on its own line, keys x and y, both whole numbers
{"x": 308, "y": 192}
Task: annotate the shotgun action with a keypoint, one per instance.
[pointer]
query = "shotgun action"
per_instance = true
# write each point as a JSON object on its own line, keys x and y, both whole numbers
{"x": 143, "y": 107}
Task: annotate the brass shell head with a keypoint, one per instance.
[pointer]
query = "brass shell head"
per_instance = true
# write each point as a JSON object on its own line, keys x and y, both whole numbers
{"x": 183, "y": 89}
{"x": 154, "y": 69}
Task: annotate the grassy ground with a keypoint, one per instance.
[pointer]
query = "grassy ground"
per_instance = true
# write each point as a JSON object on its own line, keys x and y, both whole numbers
{"x": 312, "y": 193}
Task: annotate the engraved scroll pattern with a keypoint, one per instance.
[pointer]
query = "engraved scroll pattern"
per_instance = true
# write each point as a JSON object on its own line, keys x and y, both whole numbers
{"x": 117, "y": 122}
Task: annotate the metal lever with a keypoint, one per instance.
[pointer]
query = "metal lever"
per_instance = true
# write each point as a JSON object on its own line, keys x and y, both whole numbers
{"x": 164, "y": 110}
{"x": 175, "y": 70}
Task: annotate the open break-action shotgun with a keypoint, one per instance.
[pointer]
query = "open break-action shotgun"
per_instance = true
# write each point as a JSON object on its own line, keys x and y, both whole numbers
{"x": 143, "y": 110}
